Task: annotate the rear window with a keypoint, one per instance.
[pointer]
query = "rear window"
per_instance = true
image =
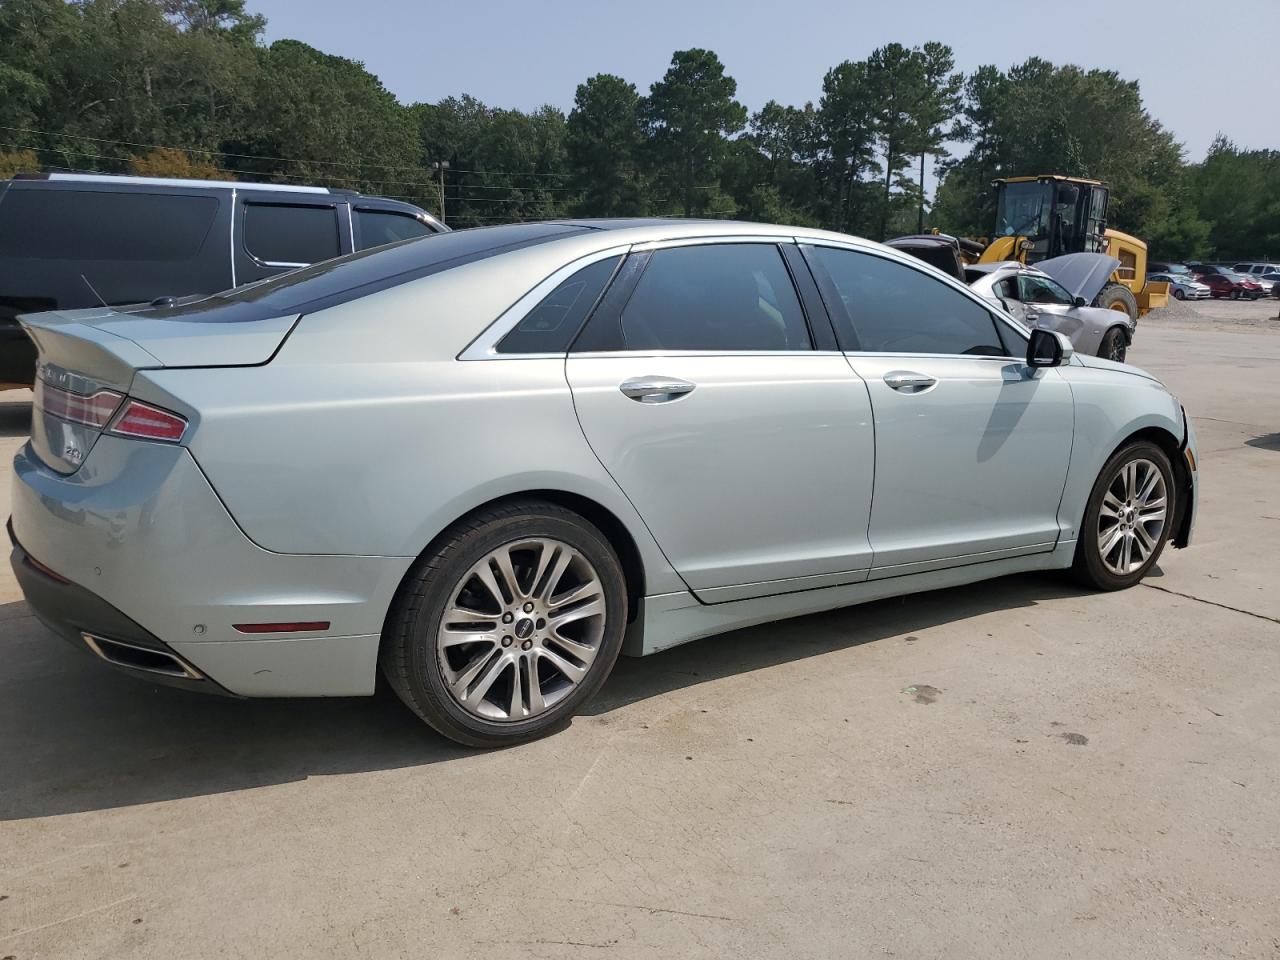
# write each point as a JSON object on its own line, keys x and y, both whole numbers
{"x": 359, "y": 274}
{"x": 101, "y": 225}
{"x": 288, "y": 234}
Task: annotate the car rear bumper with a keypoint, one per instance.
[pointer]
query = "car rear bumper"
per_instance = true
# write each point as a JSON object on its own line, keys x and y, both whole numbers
{"x": 151, "y": 559}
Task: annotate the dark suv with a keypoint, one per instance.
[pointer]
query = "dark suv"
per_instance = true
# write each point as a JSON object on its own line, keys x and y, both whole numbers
{"x": 81, "y": 240}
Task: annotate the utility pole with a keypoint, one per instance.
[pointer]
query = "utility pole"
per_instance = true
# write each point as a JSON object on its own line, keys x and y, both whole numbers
{"x": 441, "y": 166}
{"x": 920, "y": 219}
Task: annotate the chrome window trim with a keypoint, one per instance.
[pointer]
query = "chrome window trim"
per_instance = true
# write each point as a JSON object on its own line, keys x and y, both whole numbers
{"x": 235, "y": 212}
{"x": 905, "y": 259}
{"x": 659, "y": 354}
{"x": 651, "y": 245}
{"x": 485, "y": 346}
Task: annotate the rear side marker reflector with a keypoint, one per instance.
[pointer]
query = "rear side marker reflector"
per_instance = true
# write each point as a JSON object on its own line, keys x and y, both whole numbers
{"x": 51, "y": 574}
{"x": 145, "y": 422}
{"x": 95, "y": 410}
{"x": 312, "y": 626}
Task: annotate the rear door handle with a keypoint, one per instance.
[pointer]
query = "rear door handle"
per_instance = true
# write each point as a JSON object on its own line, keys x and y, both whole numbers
{"x": 907, "y": 382}
{"x": 655, "y": 389}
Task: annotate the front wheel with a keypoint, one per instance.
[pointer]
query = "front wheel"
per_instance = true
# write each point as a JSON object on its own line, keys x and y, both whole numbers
{"x": 1179, "y": 295}
{"x": 1128, "y": 518}
{"x": 1113, "y": 346}
{"x": 511, "y": 622}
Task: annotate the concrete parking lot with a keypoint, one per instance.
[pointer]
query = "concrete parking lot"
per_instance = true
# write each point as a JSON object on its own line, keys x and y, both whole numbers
{"x": 1011, "y": 769}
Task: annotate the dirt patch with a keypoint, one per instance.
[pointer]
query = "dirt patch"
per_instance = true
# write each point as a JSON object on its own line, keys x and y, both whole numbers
{"x": 923, "y": 693}
{"x": 1075, "y": 739}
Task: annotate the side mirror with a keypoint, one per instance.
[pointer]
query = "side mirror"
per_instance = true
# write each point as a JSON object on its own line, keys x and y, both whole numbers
{"x": 1081, "y": 302}
{"x": 1048, "y": 348}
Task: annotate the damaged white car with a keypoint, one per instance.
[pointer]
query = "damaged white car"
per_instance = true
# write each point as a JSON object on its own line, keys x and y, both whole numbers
{"x": 1056, "y": 295}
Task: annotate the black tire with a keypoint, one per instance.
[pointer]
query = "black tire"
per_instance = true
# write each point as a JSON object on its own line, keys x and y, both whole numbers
{"x": 1114, "y": 345}
{"x": 1178, "y": 294}
{"x": 1088, "y": 566}
{"x": 409, "y": 658}
{"x": 1235, "y": 294}
{"x": 1115, "y": 296}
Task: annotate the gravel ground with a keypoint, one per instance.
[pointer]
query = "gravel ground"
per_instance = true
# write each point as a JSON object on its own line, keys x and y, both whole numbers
{"x": 1238, "y": 313}
{"x": 1007, "y": 770}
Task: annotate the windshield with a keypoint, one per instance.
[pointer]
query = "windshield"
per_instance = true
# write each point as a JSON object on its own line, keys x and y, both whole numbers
{"x": 1024, "y": 210}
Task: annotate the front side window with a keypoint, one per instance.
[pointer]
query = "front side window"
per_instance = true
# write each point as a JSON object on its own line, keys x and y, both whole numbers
{"x": 104, "y": 225}
{"x": 551, "y": 325}
{"x": 1043, "y": 290}
{"x": 887, "y": 307}
{"x": 723, "y": 296}
{"x": 278, "y": 233}
{"x": 385, "y": 226}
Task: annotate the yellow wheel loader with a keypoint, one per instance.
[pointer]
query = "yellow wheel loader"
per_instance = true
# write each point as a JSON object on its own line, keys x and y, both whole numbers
{"x": 1041, "y": 217}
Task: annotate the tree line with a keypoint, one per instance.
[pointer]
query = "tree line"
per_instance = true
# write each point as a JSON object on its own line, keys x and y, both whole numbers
{"x": 187, "y": 88}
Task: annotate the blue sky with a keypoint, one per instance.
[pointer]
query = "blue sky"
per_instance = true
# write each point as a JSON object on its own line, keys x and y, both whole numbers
{"x": 1200, "y": 72}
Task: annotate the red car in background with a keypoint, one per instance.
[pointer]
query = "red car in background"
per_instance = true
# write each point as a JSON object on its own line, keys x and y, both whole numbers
{"x": 1225, "y": 283}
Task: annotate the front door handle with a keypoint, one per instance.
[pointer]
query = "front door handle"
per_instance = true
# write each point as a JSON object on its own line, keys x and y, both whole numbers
{"x": 908, "y": 382}
{"x": 655, "y": 389}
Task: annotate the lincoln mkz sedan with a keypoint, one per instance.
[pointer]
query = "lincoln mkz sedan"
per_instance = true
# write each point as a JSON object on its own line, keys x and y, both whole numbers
{"x": 488, "y": 462}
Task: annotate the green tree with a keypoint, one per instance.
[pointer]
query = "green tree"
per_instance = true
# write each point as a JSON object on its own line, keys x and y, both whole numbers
{"x": 935, "y": 111}
{"x": 846, "y": 135}
{"x": 325, "y": 119}
{"x": 896, "y": 79}
{"x": 602, "y": 140}
{"x": 689, "y": 115}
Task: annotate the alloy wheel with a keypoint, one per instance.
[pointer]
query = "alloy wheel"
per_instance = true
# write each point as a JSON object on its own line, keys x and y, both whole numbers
{"x": 1132, "y": 516}
{"x": 521, "y": 629}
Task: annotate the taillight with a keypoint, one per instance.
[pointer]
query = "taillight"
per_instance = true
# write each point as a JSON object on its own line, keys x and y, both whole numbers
{"x": 145, "y": 422}
{"x": 94, "y": 410}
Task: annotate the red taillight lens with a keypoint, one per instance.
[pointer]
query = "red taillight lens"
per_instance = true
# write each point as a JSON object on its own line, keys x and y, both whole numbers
{"x": 145, "y": 422}
{"x": 95, "y": 410}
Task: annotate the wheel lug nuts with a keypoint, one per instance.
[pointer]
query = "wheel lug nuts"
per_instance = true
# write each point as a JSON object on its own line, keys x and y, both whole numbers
{"x": 507, "y": 640}
{"x": 507, "y": 617}
{"x": 528, "y": 608}
{"x": 527, "y": 645}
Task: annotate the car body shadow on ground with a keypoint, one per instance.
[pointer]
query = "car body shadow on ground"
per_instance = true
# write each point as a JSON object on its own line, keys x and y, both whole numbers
{"x": 81, "y": 737}
{"x": 15, "y": 418}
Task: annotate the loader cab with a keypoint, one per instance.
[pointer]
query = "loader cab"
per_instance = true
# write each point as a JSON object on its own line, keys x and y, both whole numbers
{"x": 1055, "y": 215}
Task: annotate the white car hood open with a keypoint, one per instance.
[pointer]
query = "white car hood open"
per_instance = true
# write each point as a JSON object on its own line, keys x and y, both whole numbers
{"x": 1083, "y": 274}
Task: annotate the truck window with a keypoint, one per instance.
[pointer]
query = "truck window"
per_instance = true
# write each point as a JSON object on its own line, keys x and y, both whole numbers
{"x": 386, "y": 226}
{"x": 103, "y": 225}
{"x": 290, "y": 235}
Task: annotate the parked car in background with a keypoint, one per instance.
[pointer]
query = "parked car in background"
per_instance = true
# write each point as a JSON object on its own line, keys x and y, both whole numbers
{"x": 1035, "y": 297}
{"x": 83, "y": 240}
{"x": 487, "y": 461}
{"x": 1225, "y": 283}
{"x": 1256, "y": 268}
{"x": 1183, "y": 286}
{"x": 1274, "y": 278}
{"x": 1173, "y": 268}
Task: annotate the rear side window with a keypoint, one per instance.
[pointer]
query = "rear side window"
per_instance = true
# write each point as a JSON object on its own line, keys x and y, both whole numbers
{"x": 551, "y": 325}
{"x": 100, "y": 225}
{"x": 277, "y": 233}
{"x": 384, "y": 226}
{"x": 886, "y": 307}
{"x": 724, "y": 296}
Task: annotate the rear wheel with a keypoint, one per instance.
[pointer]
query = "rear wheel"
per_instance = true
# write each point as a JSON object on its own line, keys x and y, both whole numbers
{"x": 1114, "y": 296}
{"x": 1128, "y": 518}
{"x": 1113, "y": 345}
{"x": 512, "y": 622}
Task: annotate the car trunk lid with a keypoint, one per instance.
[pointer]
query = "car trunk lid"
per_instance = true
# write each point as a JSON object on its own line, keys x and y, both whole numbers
{"x": 87, "y": 359}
